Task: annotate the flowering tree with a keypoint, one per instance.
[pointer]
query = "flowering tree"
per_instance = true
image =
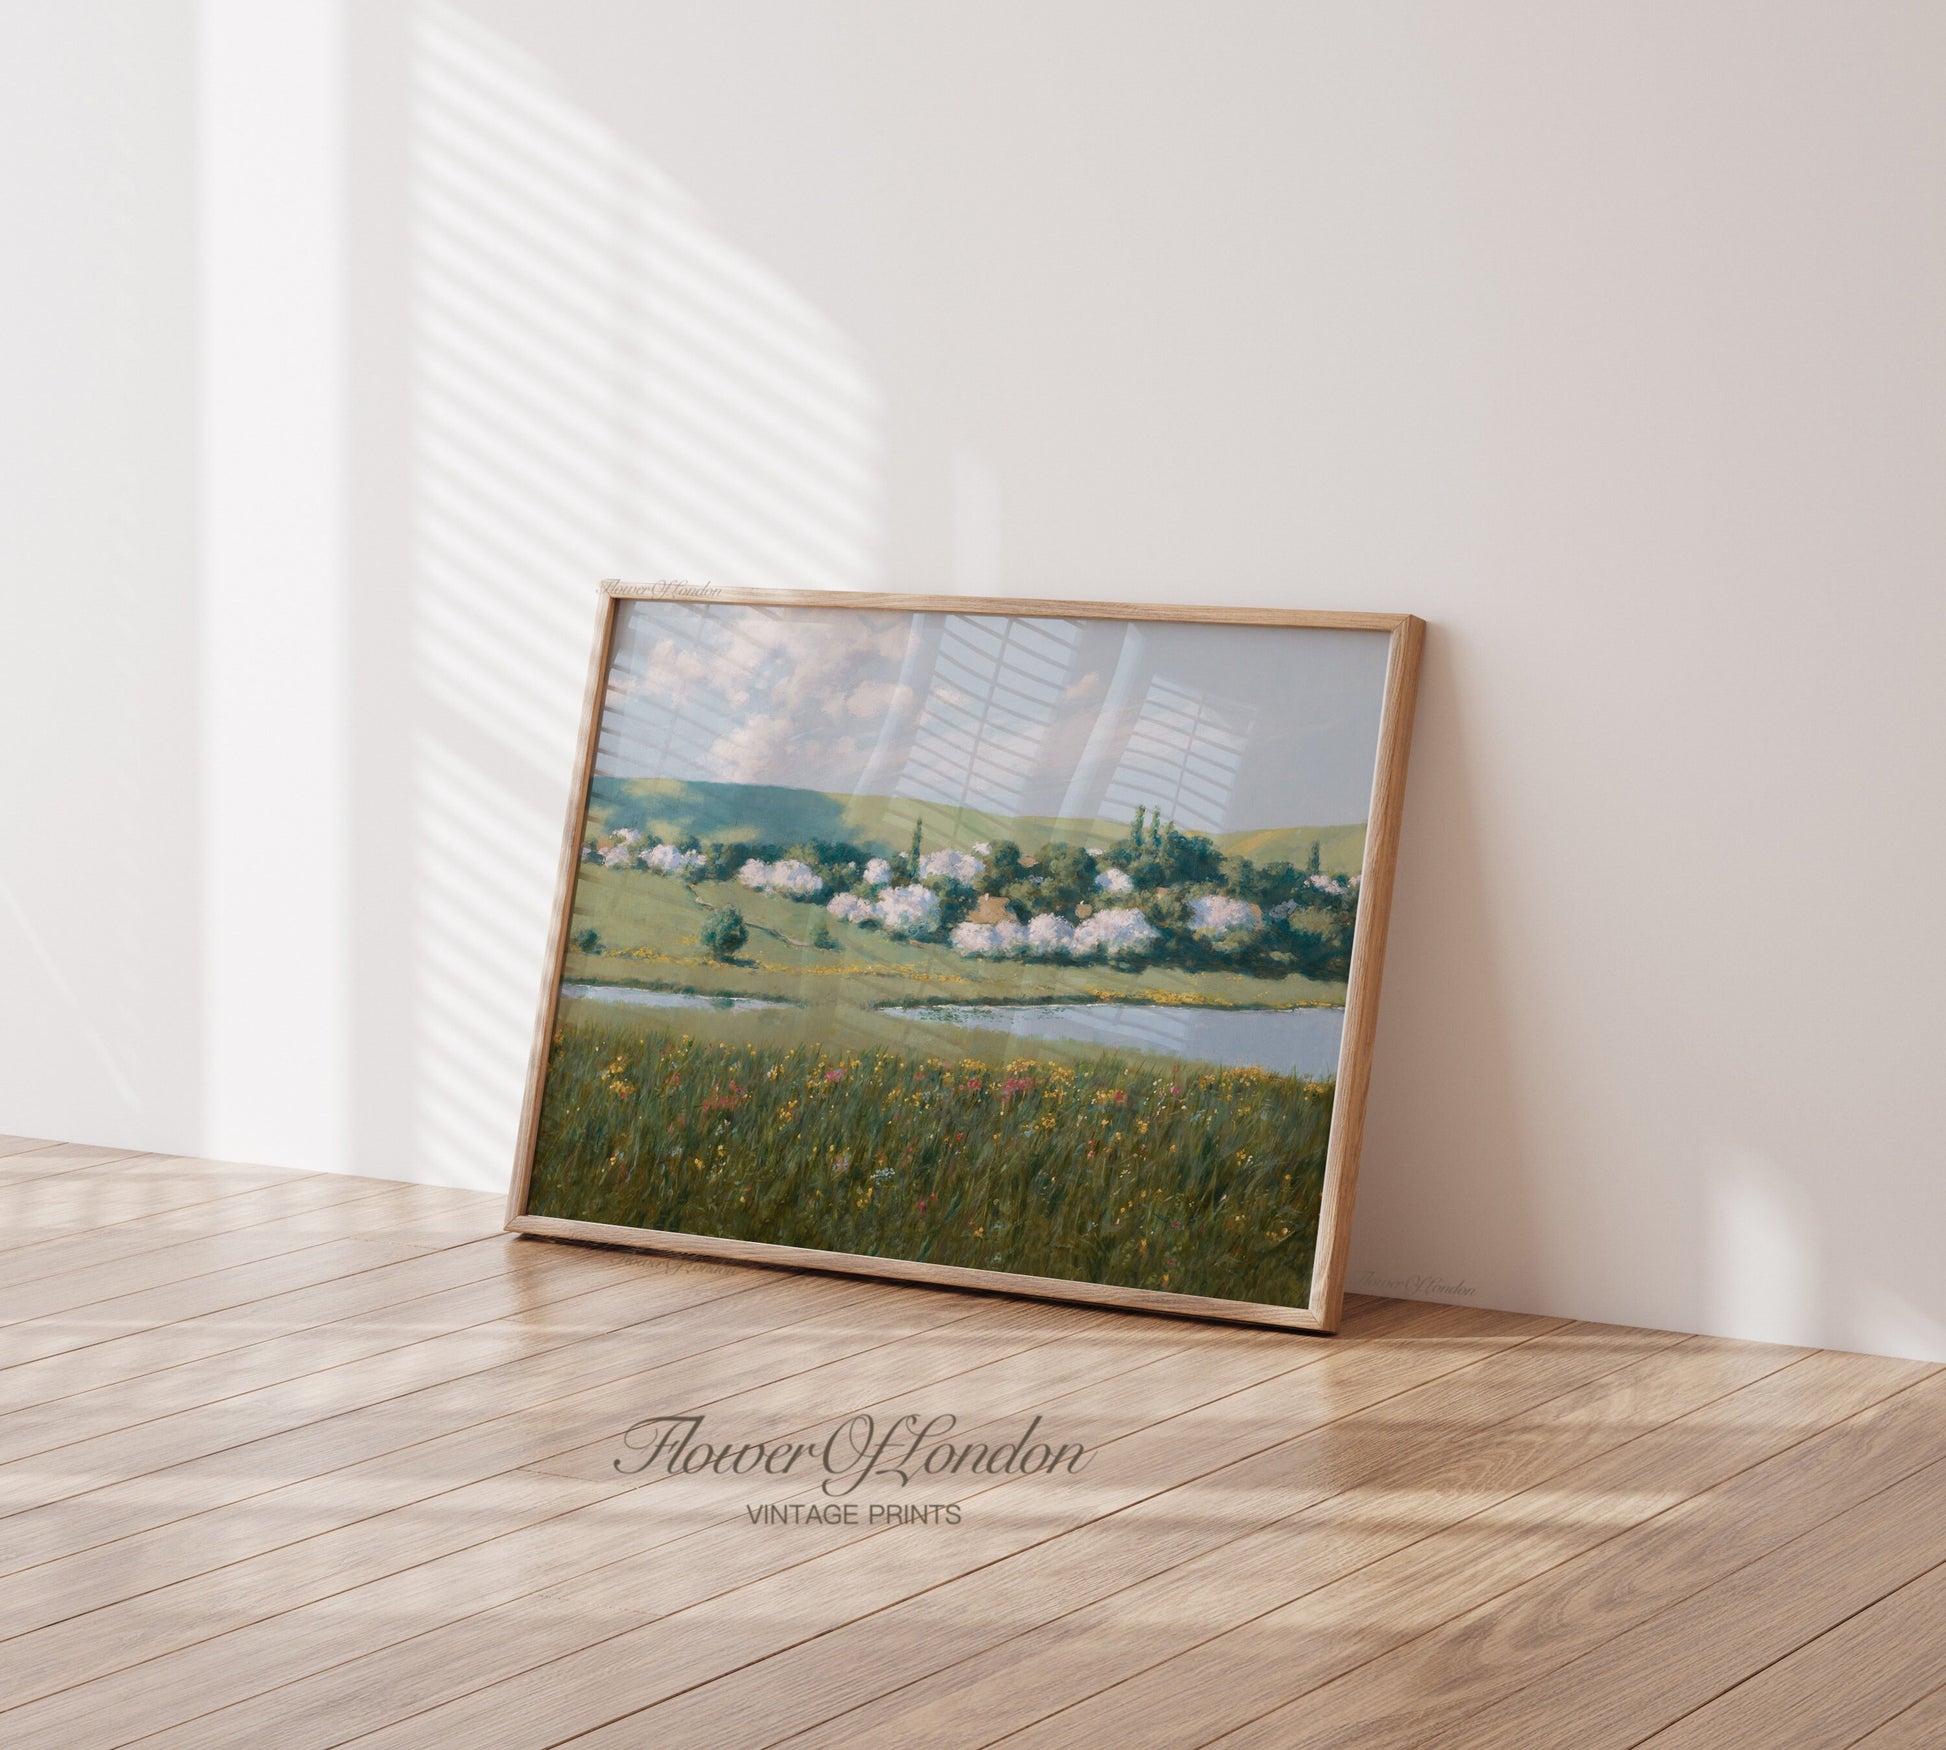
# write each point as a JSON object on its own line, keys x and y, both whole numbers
{"x": 1118, "y": 932}
{"x": 1217, "y": 915}
{"x": 788, "y": 876}
{"x": 668, "y": 860}
{"x": 1049, "y": 933}
{"x": 909, "y": 911}
{"x": 1159, "y": 894}
{"x": 990, "y": 941}
{"x": 950, "y": 866}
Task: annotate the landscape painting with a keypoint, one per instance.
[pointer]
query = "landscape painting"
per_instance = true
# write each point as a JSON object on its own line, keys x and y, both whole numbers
{"x": 1011, "y": 942}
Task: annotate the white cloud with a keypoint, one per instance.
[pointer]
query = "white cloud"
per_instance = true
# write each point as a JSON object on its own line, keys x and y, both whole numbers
{"x": 879, "y": 699}
{"x": 678, "y": 672}
{"x": 755, "y": 752}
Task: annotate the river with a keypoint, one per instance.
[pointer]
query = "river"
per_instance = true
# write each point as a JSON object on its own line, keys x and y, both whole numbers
{"x": 1300, "y": 1042}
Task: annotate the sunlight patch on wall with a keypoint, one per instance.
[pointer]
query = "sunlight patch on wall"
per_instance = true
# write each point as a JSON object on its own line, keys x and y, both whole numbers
{"x": 602, "y": 383}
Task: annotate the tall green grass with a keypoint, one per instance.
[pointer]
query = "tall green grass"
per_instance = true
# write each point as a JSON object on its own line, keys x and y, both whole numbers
{"x": 1192, "y": 1179}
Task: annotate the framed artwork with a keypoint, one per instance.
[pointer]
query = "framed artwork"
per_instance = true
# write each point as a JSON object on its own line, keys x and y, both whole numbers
{"x": 1021, "y": 945}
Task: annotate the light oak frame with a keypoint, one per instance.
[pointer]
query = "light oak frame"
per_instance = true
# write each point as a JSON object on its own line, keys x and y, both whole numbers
{"x": 1407, "y": 634}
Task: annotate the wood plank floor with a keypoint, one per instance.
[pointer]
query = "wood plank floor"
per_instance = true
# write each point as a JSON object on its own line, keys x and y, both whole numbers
{"x": 302, "y": 1460}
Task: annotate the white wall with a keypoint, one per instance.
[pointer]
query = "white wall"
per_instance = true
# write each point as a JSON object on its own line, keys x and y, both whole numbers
{"x": 348, "y": 344}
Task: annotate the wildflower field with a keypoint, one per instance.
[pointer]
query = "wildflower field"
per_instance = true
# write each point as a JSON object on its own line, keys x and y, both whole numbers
{"x": 1102, "y": 1167}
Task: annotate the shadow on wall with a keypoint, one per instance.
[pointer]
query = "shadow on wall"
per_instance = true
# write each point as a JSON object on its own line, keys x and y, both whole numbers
{"x": 1504, "y": 1162}
{"x": 1476, "y": 1190}
{"x": 597, "y": 381}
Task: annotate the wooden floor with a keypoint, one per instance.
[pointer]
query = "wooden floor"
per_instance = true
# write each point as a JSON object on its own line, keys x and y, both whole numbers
{"x": 296, "y": 1461}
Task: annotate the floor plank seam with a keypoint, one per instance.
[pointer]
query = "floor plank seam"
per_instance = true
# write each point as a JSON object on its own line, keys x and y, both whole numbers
{"x": 810, "y": 1639}
{"x": 1484, "y": 1604}
{"x": 320, "y": 1421}
{"x": 567, "y": 1512}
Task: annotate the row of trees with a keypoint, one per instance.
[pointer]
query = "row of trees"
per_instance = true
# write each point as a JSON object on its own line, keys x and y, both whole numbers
{"x": 1158, "y": 893}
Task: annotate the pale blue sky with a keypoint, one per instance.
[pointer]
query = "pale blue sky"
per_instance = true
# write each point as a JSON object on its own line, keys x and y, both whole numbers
{"x": 1224, "y": 727}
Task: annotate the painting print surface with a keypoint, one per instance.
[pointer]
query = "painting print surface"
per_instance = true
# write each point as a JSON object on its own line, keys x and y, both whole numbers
{"x": 1015, "y": 943}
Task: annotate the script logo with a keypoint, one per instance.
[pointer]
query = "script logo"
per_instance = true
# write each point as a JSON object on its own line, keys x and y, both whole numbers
{"x": 901, "y": 1451}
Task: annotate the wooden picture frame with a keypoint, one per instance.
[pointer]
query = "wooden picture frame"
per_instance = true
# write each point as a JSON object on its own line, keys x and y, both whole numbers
{"x": 1370, "y": 893}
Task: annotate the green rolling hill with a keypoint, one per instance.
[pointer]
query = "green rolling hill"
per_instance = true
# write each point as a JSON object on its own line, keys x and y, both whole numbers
{"x": 669, "y": 808}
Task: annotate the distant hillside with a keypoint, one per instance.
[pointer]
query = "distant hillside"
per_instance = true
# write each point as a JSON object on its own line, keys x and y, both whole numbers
{"x": 1341, "y": 849}
{"x": 668, "y": 808}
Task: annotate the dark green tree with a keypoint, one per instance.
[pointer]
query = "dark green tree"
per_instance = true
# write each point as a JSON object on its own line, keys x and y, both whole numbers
{"x": 1316, "y": 864}
{"x": 1067, "y": 875}
{"x": 821, "y": 936}
{"x": 1003, "y": 867}
{"x": 725, "y": 933}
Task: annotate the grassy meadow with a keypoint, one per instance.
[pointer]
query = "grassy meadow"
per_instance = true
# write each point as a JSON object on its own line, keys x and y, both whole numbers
{"x": 828, "y": 1123}
{"x": 1075, "y": 1163}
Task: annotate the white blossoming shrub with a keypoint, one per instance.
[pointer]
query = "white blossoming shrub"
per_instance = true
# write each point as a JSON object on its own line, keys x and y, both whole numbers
{"x": 1050, "y": 933}
{"x": 1121, "y": 931}
{"x": 909, "y": 911}
{"x": 667, "y": 860}
{"x": 851, "y": 909}
{"x": 1281, "y": 912}
{"x": 618, "y": 856}
{"x": 1218, "y": 915}
{"x": 627, "y": 835}
{"x": 1114, "y": 881}
{"x": 1326, "y": 883}
{"x": 983, "y": 849}
{"x": 878, "y": 871}
{"x": 950, "y": 866}
{"x": 799, "y": 880}
{"x": 990, "y": 941}
{"x": 787, "y": 876}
